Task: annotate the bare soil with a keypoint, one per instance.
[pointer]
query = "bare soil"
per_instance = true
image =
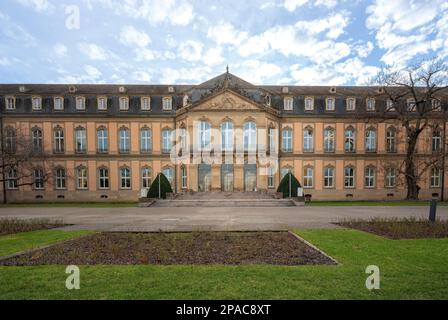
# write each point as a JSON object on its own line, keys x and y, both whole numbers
{"x": 13, "y": 225}
{"x": 197, "y": 248}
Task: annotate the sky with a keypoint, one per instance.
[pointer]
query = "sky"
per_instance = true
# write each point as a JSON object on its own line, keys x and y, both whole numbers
{"x": 295, "y": 42}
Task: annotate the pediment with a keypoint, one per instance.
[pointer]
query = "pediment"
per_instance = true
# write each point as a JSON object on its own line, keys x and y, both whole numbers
{"x": 226, "y": 101}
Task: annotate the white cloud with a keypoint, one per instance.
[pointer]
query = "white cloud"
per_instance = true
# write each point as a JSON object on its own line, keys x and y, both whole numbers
{"x": 225, "y": 33}
{"x": 191, "y": 50}
{"x": 141, "y": 76}
{"x": 91, "y": 75}
{"x": 132, "y": 37}
{"x": 257, "y": 71}
{"x": 4, "y": 61}
{"x": 292, "y": 5}
{"x": 213, "y": 56}
{"x": 144, "y": 54}
{"x": 38, "y": 5}
{"x": 190, "y": 75}
{"x": 60, "y": 50}
{"x": 94, "y": 51}
{"x": 15, "y": 31}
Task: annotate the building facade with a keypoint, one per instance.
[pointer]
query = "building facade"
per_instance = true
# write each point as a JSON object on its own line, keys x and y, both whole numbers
{"x": 108, "y": 142}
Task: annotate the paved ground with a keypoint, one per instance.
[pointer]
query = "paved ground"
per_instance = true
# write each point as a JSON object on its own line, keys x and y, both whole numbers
{"x": 188, "y": 219}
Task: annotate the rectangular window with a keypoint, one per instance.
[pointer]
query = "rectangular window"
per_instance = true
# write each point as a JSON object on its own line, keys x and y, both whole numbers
{"x": 435, "y": 177}
{"x": 10, "y": 103}
{"x": 124, "y": 104}
{"x": 58, "y": 103}
{"x": 351, "y": 104}
{"x": 390, "y": 107}
{"x": 166, "y": 141}
{"x": 59, "y": 145}
{"x": 349, "y": 177}
{"x": 411, "y": 105}
{"x": 330, "y": 104}
{"x": 146, "y": 178}
{"x": 309, "y": 104}
{"x": 329, "y": 177}
{"x": 370, "y": 140}
{"x": 146, "y": 103}
{"x": 287, "y": 140}
{"x": 391, "y": 176}
{"x": 308, "y": 140}
{"x": 125, "y": 178}
{"x": 38, "y": 179}
{"x": 167, "y": 103}
{"x": 308, "y": 177}
{"x": 391, "y": 140}
{"x": 436, "y": 105}
{"x": 436, "y": 144}
{"x": 168, "y": 172}
{"x": 370, "y": 104}
{"x": 125, "y": 138}
{"x": 103, "y": 177}
{"x": 60, "y": 179}
{"x": 184, "y": 177}
{"x": 369, "y": 177}
{"x": 80, "y": 103}
{"x": 271, "y": 177}
{"x": 102, "y": 140}
{"x": 81, "y": 178}
{"x": 145, "y": 140}
{"x": 102, "y": 103}
{"x": 11, "y": 179}
{"x": 80, "y": 140}
{"x": 288, "y": 103}
{"x": 36, "y": 103}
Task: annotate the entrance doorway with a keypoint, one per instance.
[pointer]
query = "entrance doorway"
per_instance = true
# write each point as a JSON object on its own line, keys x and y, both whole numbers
{"x": 204, "y": 177}
{"x": 250, "y": 177}
{"x": 227, "y": 177}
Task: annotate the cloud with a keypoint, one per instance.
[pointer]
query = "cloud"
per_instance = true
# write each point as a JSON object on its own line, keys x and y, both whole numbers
{"x": 90, "y": 75}
{"x": 257, "y": 71}
{"x": 60, "y": 50}
{"x": 182, "y": 75}
{"x": 38, "y": 5}
{"x": 213, "y": 56}
{"x": 141, "y": 76}
{"x": 292, "y": 5}
{"x": 225, "y": 33}
{"x": 132, "y": 37}
{"x": 15, "y": 31}
{"x": 94, "y": 51}
{"x": 144, "y": 54}
{"x": 191, "y": 50}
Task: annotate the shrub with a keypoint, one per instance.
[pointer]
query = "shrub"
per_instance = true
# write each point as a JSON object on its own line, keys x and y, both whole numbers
{"x": 284, "y": 185}
{"x": 165, "y": 187}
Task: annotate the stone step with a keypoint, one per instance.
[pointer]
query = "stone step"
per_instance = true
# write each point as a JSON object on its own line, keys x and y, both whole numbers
{"x": 226, "y": 203}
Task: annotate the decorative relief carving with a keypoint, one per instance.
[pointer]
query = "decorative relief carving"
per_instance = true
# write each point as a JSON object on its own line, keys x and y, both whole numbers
{"x": 226, "y": 101}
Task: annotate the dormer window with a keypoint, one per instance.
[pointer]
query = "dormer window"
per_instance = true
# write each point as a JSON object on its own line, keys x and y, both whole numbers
{"x": 185, "y": 101}
{"x": 436, "y": 105}
{"x": 351, "y": 104}
{"x": 268, "y": 100}
{"x": 370, "y": 104}
{"x": 10, "y": 103}
{"x": 288, "y": 103}
{"x": 58, "y": 103}
{"x": 36, "y": 103}
{"x": 167, "y": 103}
{"x": 411, "y": 106}
{"x": 330, "y": 105}
{"x": 102, "y": 103}
{"x": 124, "y": 103}
{"x": 146, "y": 103}
{"x": 309, "y": 104}
{"x": 80, "y": 103}
{"x": 390, "y": 106}
{"x": 285, "y": 90}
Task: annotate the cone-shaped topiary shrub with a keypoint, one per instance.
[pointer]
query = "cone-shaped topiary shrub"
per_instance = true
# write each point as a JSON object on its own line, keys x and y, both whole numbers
{"x": 165, "y": 187}
{"x": 283, "y": 187}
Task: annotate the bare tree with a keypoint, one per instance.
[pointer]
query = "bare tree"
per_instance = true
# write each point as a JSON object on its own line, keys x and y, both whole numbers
{"x": 23, "y": 161}
{"x": 416, "y": 98}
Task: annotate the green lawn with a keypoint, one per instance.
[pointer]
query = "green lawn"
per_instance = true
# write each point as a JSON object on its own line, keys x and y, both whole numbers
{"x": 71, "y": 205}
{"x": 372, "y": 203}
{"x": 410, "y": 269}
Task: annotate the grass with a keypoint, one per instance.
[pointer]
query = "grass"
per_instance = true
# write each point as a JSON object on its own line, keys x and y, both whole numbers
{"x": 372, "y": 203}
{"x": 400, "y": 228}
{"x": 410, "y": 269}
{"x": 71, "y": 205}
{"x": 14, "y": 225}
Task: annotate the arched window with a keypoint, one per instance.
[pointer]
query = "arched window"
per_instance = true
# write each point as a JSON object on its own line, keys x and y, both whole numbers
{"x": 349, "y": 142}
{"x": 436, "y": 141}
{"x": 183, "y": 173}
{"x": 80, "y": 140}
{"x": 36, "y": 137}
{"x": 102, "y": 140}
{"x": 287, "y": 140}
{"x": 59, "y": 140}
{"x": 124, "y": 140}
{"x": 329, "y": 177}
{"x": 204, "y": 132}
{"x": 391, "y": 140}
{"x": 146, "y": 177}
{"x": 168, "y": 172}
{"x": 435, "y": 177}
{"x": 308, "y": 140}
{"x": 390, "y": 177}
{"x": 81, "y": 178}
{"x": 308, "y": 177}
{"x": 103, "y": 178}
{"x": 11, "y": 179}
{"x": 10, "y": 140}
{"x": 125, "y": 178}
{"x": 145, "y": 140}
{"x": 227, "y": 135}
{"x": 60, "y": 178}
{"x": 369, "y": 177}
{"x": 166, "y": 141}
{"x": 329, "y": 140}
{"x": 250, "y": 136}
{"x": 349, "y": 177}
{"x": 370, "y": 140}
{"x": 38, "y": 179}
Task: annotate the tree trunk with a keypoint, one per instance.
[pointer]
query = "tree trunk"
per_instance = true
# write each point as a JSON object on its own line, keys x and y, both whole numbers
{"x": 410, "y": 169}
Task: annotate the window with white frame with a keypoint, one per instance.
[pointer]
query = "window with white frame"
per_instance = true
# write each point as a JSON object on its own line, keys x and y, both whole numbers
{"x": 390, "y": 106}
{"x": 36, "y": 103}
{"x": 330, "y": 104}
{"x": 370, "y": 104}
{"x": 350, "y": 104}
{"x": 369, "y": 177}
{"x": 10, "y": 103}
{"x": 167, "y": 103}
{"x": 102, "y": 103}
{"x": 271, "y": 177}
{"x": 391, "y": 140}
{"x": 308, "y": 177}
{"x": 38, "y": 179}
{"x": 435, "y": 177}
{"x": 183, "y": 139}
{"x": 60, "y": 178}
{"x": 308, "y": 140}
{"x": 10, "y": 140}
{"x": 59, "y": 140}
{"x": 227, "y": 135}
{"x": 11, "y": 179}
{"x": 287, "y": 140}
{"x": 183, "y": 173}
{"x": 288, "y": 103}
{"x": 145, "y": 140}
{"x": 436, "y": 141}
{"x": 205, "y": 137}
{"x": 36, "y": 139}
{"x": 309, "y": 103}
{"x": 124, "y": 103}
{"x": 391, "y": 177}
{"x": 166, "y": 141}
{"x": 436, "y": 105}
{"x": 58, "y": 103}
{"x": 272, "y": 140}
{"x": 80, "y": 140}
{"x": 168, "y": 172}
{"x": 80, "y": 103}
{"x": 102, "y": 140}
{"x": 349, "y": 177}
{"x": 370, "y": 140}
{"x": 103, "y": 178}
{"x": 329, "y": 140}
{"x": 124, "y": 140}
{"x": 411, "y": 105}
{"x": 146, "y": 103}
{"x": 146, "y": 177}
{"x": 329, "y": 177}
{"x": 81, "y": 178}
{"x": 125, "y": 178}
{"x": 250, "y": 136}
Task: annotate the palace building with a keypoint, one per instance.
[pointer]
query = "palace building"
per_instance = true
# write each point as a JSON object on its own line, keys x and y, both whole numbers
{"x": 108, "y": 142}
